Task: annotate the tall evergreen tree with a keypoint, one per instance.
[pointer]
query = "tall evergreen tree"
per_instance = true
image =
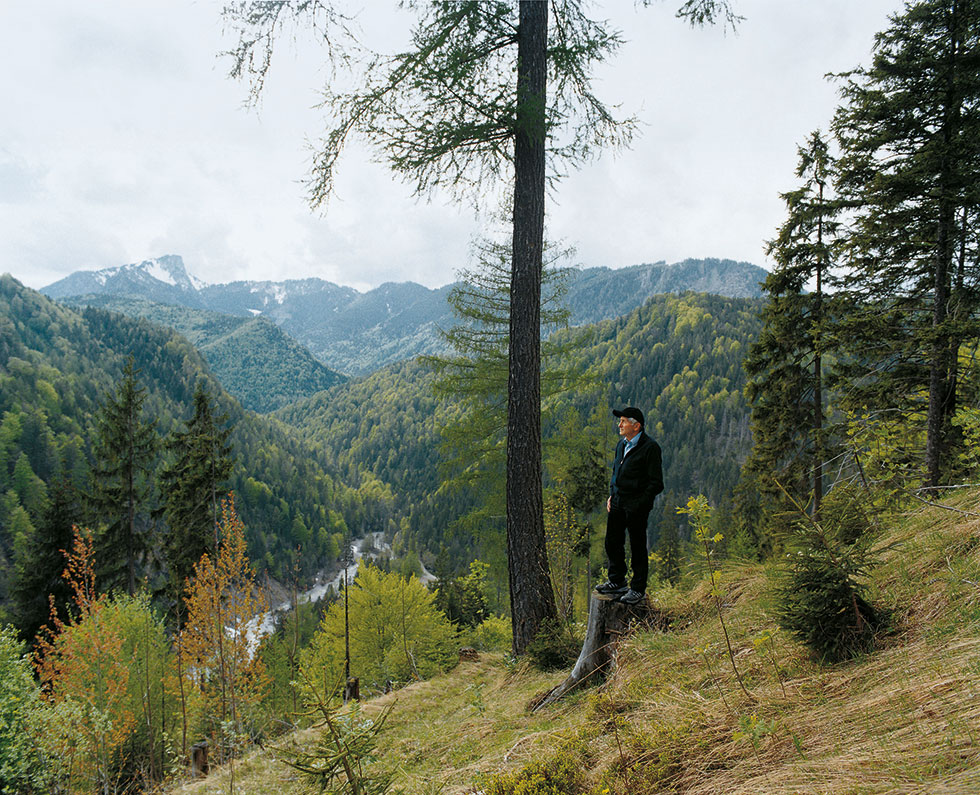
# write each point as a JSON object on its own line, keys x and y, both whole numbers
{"x": 785, "y": 365}
{"x": 192, "y": 486}
{"x": 125, "y": 453}
{"x": 531, "y": 597}
{"x": 474, "y": 375}
{"x": 486, "y": 89}
{"x": 39, "y": 561}
{"x": 909, "y": 134}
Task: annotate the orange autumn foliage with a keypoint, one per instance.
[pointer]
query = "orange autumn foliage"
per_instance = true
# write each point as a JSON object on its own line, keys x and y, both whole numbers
{"x": 217, "y": 645}
{"x": 84, "y": 675}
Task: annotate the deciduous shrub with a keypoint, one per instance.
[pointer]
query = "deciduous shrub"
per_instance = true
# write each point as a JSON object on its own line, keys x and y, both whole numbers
{"x": 561, "y": 774}
{"x": 20, "y": 766}
{"x": 397, "y": 634}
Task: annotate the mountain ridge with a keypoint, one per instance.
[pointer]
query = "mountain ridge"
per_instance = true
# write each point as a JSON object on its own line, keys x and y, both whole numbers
{"x": 355, "y": 333}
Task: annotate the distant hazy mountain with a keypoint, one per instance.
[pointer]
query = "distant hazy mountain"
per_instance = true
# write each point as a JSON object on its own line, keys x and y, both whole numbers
{"x": 164, "y": 280}
{"x": 596, "y": 294}
{"x": 356, "y": 333}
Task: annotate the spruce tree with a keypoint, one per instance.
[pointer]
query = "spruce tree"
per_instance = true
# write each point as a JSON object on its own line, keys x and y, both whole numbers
{"x": 785, "y": 365}
{"x": 909, "y": 134}
{"x": 39, "y": 561}
{"x": 125, "y": 452}
{"x": 192, "y": 486}
{"x": 474, "y": 375}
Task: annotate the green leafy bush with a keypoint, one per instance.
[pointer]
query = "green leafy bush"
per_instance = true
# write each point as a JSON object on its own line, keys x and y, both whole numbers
{"x": 493, "y": 634}
{"x": 397, "y": 634}
{"x": 20, "y": 768}
{"x": 562, "y": 774}
{"x": 463, "y": 599}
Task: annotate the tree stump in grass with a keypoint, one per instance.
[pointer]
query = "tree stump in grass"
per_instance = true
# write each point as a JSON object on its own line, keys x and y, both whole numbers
{"x": 352, "y": 690}
{"x": 609, "y": 621}
{"x": 199, "y": 759}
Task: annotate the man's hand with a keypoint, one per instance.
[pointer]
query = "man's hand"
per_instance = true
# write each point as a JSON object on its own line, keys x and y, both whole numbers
{"x": 608, "y": 504}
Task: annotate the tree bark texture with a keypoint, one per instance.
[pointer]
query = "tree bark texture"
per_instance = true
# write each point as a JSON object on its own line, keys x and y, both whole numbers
{"x": 532, "y": 600}
{"x": 940, "y": 366}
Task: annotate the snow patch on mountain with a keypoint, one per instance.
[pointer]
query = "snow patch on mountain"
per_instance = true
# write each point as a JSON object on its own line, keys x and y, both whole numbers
{"x": 159, "y": 271}
{"x": 198, "y": 284}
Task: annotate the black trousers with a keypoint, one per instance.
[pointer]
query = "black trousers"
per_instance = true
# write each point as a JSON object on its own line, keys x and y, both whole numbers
{"x": 619, "y": 524}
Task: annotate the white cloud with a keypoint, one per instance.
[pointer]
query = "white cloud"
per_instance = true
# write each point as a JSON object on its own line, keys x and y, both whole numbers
{"x": 123, "y": 139}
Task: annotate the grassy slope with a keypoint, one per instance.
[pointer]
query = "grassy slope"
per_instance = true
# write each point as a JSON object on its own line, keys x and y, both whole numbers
{"x": 905, "y": 719}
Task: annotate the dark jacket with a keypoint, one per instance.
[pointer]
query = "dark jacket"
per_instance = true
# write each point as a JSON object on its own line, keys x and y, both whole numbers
{"x": 638, "y": 478}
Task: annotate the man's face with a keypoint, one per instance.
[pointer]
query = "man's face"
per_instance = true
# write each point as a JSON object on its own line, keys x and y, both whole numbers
{"x": 628, "y": 427}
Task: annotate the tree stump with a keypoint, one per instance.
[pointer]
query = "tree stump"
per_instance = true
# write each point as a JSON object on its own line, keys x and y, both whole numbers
{"x": 199, "y": 759}
{"x": 352, "y": 690}
{"x": 609, "y": 620}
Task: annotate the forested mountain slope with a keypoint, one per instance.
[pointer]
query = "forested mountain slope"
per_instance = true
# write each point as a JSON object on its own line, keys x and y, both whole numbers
{"x": 678, "y": 357}
{"x": 252, "y": 357}
{"x": 57, "y": 366}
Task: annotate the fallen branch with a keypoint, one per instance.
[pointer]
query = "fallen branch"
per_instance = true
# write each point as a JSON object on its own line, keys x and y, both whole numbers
{"x": 964, "y": 580}
{"x": 934, "y": 504}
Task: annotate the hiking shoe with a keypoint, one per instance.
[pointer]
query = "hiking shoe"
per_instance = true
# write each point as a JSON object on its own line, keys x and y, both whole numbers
{"x": 611, "y": 589}
{"x": 632, "y": 597}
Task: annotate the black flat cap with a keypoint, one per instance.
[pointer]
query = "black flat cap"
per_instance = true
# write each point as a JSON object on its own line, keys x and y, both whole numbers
{"x": 632, "y": 412}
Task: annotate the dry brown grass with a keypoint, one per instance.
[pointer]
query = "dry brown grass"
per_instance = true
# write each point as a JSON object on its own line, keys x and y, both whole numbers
{"x": 440, "y": 735}
{"x": 904, "y": 719}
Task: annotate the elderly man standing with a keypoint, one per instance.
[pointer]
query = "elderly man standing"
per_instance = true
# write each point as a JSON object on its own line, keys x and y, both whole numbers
{"x": 637, "y": 477}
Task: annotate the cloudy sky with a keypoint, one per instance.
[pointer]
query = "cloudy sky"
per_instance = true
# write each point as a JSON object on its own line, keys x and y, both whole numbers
{"x": 122, "y": 139}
